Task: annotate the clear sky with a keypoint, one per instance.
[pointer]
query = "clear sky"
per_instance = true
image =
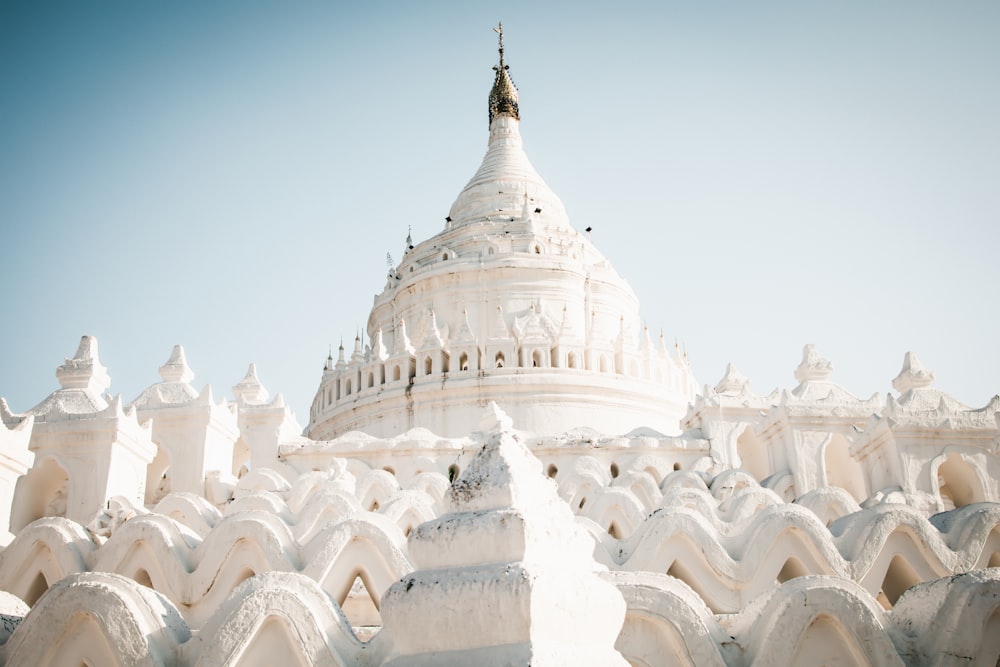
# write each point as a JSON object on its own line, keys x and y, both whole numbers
{"x": 230, "y": 176}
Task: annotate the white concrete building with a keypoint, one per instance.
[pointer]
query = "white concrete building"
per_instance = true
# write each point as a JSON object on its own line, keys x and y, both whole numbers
{"x": 509, "y": 470}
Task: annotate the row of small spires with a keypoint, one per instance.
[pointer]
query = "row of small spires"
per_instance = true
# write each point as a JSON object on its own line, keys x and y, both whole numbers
{"x": 85, "y": 371}
{"x": 680, "y": 351}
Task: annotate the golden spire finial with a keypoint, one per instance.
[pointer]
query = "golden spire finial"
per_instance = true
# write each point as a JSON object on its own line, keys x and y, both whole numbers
{"x": 499, "y": 31}
{"x": 503, "y": 96}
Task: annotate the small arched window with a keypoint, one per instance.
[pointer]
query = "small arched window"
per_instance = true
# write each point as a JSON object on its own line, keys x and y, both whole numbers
{"x": 499, "y": 360}
{"x": 428, "y": 366}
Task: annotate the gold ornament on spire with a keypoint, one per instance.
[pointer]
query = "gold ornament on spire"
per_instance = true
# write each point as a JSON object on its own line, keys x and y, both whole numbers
{"x": 503, "y": 96}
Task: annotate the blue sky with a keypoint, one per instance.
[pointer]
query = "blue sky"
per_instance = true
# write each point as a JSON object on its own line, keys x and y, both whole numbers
{"x": 230, "y": 176}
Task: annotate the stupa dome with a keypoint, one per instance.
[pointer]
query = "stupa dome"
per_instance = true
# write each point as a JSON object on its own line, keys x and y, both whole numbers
{"x": 507, "y": 303}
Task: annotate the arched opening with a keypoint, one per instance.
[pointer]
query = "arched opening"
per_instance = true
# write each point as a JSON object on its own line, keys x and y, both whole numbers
{"x": 677, "y": 466}
{"x": 142, "y": 578}
{"x": 445, "y": 256}
{"x": 452, "y": 473}
{"x": 571, "y": 361}
{"x": 536, "y": 359}
{"x": 499, "y": 360}
{"x": 361, "y": 607}
{"x": 958, "y": 483}
{"x": 552, "y": 471}
{"x": 538, "y": 249}
{"x": 614, "y": 470}
{"x": 841, "y": 468}
{"x": 489, "y": 251}
{"x": 347, "y": 387}
{"x": 899, "y": 576}
{"x": 463, "y": 362}
{"x": 395, "y": 373}
{"x": 604, "y": 364}
{"x": 371, "y": 380}
{"x": 792, "y": 569}
{"x": 428, "y": 365}
{"x": 37, "y": 588}
{"x": 614, "y": 531}
{"x": 338, "y": 391}
{"x": 43, "y": 491}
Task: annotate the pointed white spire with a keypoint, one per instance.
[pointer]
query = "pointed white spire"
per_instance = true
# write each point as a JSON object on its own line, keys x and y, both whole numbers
{"x": 465, "y": 334}
{"x": 814, "y": 368}
{"x": 84, "y": 370}
{"x": 401, "y": 343}
{"x": 378, "y": 346}
{"x": 498, "y": 328}
{"x": 733, "y": 382}
{"x": 176, "y": 369}
{"x": 914, "y": 374}
{"x": 249, "y": 389}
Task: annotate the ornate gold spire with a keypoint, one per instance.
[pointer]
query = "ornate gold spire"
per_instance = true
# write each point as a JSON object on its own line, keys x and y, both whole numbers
{"x": 503, "y": 96}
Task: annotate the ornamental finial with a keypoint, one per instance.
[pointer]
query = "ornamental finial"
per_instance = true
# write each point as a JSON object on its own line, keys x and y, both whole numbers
{"x": 503, "y": 96}
{"x": 499, "y": 31}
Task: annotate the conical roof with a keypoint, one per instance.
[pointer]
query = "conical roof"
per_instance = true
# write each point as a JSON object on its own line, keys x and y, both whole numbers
{"x": 506, "y": 183}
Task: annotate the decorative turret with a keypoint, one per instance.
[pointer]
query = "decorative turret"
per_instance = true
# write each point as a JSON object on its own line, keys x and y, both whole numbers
{"x": 813, "y": 368}
{"x": 87, "y": 448}
{"x": 193, "y": 434}
{"x": 84, "y": 370}
{"x": 249, "y": 390}
{"x": 913, "y": 374}
{"x": 175, "y": 388}
{"x": 83, "y": 380}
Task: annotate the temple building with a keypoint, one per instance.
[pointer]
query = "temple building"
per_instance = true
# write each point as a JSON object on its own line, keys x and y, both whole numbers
{"x": 508, "y": 468}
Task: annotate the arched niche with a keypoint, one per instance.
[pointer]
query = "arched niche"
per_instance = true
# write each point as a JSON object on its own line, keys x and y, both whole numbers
{"x": 43, "y": 491}
{"x": 842, "y": 469}
{"x": 958, "y": 482}
{"x": 753, "y": 454}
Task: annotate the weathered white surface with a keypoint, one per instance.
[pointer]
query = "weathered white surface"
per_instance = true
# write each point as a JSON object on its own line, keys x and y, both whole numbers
{"x": 194, "y": 435}
{"x": 15, "y": 460}
{"x": 878, "y": 520}
{"x": 505, "y": 577}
